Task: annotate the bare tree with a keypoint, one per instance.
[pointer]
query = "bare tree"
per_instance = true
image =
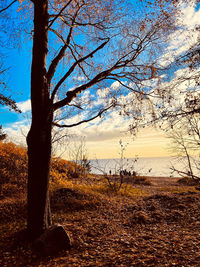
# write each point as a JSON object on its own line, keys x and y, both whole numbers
{"x": 77, "y": 152}
{"x": 98, "y": 42}
{"x": 185, "y": 143}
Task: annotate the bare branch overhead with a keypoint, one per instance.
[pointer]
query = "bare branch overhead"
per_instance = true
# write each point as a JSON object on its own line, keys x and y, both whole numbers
{"x": 73, "y": 67}
{"x": 83, "y": 121}
{"x": 60, "y": 12}
{"x": 5, "y": 8}
{"x": 56, "y": 60}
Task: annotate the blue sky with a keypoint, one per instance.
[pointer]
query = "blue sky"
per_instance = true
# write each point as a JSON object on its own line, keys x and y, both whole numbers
{"x": 106, "y": 132}
{"x": 16, "y": 58}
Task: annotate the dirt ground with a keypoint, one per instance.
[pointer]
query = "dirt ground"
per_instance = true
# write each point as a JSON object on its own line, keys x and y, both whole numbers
{"x": 159, "y": 183}
{"x": 163, "y": 181}
{"x": 158, "y": 228}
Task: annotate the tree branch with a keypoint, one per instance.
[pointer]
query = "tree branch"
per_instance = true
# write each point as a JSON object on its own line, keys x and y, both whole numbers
{"x": 56, "y": 16}
{"x": 72, "y": 94}
{"x": 78, "y": 63}
{"x": 128, "y": 87}
{"x": 9, "y": 102}
{"x": 123, "y": 62}
{"x": 83, "y": 121}
{"x": 2, "y": 10}
{"x": 73, "y": 67}
{"x": 194, "y": 177}
{"x": 56, "y": 60}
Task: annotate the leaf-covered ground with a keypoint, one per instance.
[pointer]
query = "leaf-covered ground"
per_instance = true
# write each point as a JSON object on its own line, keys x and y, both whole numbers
{"x": 158, "y": 227}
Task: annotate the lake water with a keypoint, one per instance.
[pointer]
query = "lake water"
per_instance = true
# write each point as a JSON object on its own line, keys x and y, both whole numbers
{"x": 156, "y": 166}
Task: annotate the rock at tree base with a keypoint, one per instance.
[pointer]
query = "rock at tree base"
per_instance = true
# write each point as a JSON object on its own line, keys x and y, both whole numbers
{"x": 52, "y": 241}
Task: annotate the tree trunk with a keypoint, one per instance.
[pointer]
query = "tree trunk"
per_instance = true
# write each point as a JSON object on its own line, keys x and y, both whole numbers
{"x": 39, "y": 136}
{"x": 39, "y": 154}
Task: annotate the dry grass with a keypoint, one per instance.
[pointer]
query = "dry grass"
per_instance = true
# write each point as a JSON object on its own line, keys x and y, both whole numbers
{"x": 177, "y": 189}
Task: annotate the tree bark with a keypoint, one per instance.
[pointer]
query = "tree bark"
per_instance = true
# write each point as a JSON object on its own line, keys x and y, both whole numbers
{"x": 39, "y": 136}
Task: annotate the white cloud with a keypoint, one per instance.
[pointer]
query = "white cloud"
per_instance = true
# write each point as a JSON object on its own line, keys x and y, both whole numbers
{"x": 115, "y": 85}
{"x": 102, "y": 93}
{"x": 18, "y": 131}
{"x": 25, "y": 105}
{"x": 79, "y": 78}
{"x": 185, "y": 36}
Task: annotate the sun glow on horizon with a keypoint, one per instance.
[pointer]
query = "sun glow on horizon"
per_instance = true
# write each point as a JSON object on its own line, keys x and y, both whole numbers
{"x": 149, "y": 142}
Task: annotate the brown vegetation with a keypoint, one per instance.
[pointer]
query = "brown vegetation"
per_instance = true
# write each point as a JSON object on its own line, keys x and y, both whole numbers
{"x": 188, "y": 181}
{"x": 141, "y": 225}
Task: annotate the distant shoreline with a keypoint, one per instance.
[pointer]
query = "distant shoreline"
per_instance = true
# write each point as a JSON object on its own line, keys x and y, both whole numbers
{"x": 146, "y": 166}
{"x": 153, "y": 157}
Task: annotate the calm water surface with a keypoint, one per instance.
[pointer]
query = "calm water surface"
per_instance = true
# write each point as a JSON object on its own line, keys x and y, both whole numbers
{"x": 156, "y": 166}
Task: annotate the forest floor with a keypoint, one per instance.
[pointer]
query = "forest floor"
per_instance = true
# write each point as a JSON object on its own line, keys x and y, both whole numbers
{"x": 141, "y": 225}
